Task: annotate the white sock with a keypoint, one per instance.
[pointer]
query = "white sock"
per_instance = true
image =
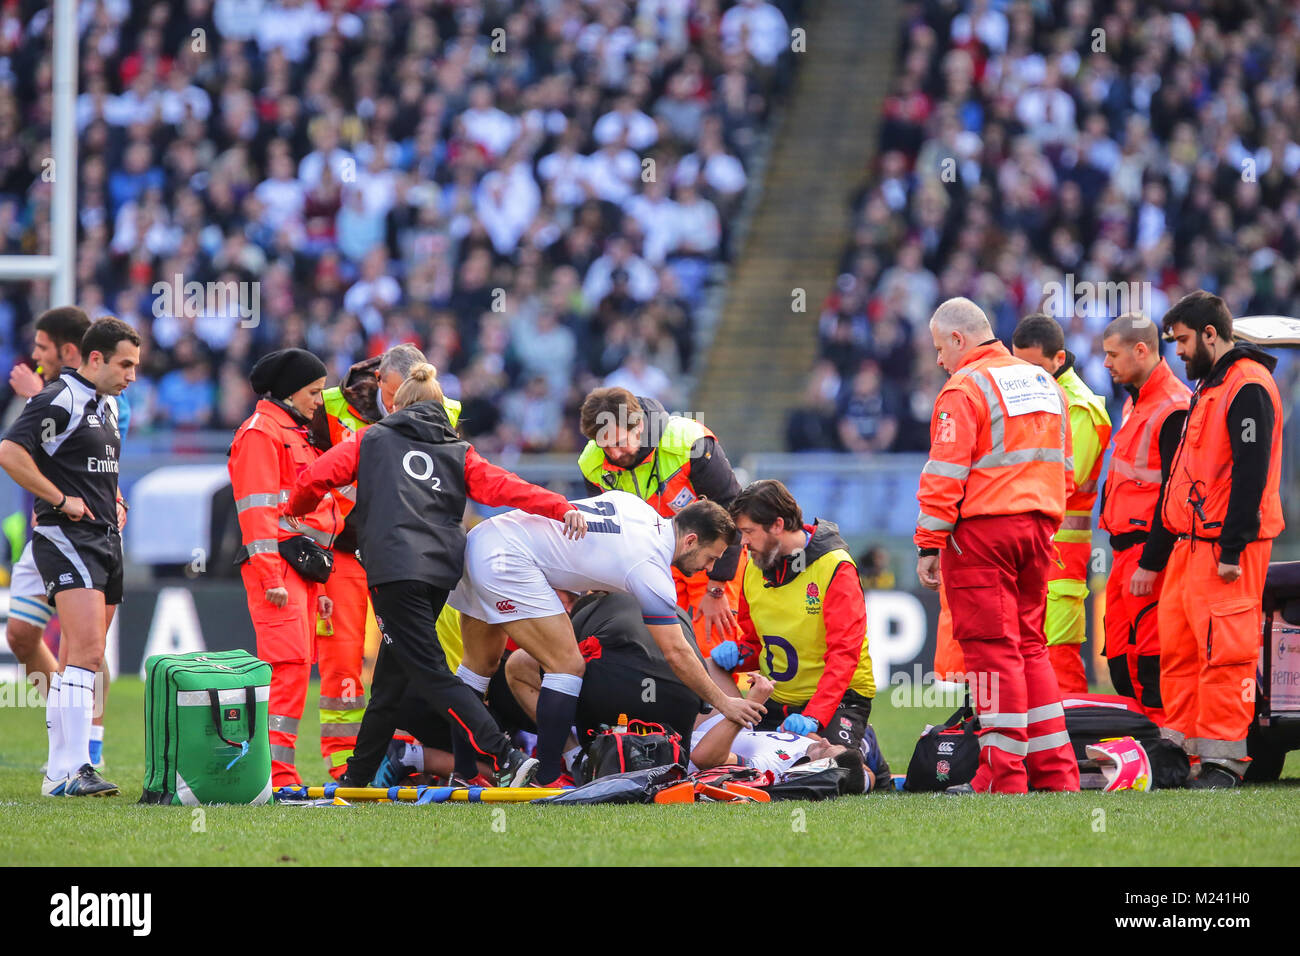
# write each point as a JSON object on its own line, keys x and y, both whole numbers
{"x": 77, "y": 702}
{"x": 54, "y": 728}
{"x": 570, "y": 684}
{"x": 414, "y": 757}
{"x": 571, "y": 758}
{"x": 97, "y": 732}
{"x": 474, "y": 679}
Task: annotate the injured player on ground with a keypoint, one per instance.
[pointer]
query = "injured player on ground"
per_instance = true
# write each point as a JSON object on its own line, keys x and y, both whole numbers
{"x": 718, "y": 741}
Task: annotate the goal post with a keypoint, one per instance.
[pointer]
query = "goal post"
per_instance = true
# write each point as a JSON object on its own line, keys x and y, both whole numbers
{"x": 60, "y": 266}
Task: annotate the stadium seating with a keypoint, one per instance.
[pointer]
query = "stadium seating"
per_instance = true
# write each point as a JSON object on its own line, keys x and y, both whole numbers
{"x": 537, "y": 194}
{"x": 1024, "y": 143}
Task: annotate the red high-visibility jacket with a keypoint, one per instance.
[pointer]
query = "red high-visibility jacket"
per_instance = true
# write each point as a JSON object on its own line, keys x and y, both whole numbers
{"x": 269, "y": 451}
{"x": 999, "y": 445}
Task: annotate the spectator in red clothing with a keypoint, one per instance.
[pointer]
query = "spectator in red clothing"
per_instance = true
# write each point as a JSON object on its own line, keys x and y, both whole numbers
{"x": 801, "y": 584}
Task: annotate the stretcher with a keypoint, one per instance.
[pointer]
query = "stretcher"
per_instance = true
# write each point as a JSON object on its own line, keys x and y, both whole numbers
{"x": 414, "y": 794}
{"x": 1275, "y": 729}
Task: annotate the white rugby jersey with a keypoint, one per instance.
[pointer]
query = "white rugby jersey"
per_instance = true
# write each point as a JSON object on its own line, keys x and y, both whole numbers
{"x": 628, "y": 547}
{"x": 772, "y": 750}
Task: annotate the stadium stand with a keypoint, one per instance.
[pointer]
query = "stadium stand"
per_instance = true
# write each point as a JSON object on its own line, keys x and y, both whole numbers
{"x": 1111, "y": 142}
{"x": 538, "y": 193}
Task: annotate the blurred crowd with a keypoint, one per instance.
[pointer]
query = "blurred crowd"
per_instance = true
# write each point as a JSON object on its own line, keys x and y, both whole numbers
{"x": 537, "y": 193}
{"x": 1023, "y": 142}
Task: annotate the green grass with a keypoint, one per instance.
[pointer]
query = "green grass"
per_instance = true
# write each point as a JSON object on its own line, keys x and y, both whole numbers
{"x": 1253, "y": 826}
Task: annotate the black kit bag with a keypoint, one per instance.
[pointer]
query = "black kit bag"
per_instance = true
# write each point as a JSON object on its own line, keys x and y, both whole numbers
{"x": 826, "y": 783}
{"x": 639, "y": 786}
{"x": 946, "y": 755}
{"x": 1090, "y": 722}
{"x": 642, "y": 746}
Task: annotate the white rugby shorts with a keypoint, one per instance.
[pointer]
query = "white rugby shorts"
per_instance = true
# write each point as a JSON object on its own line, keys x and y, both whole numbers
{"x": 27, "y": 600}
{"x": 501, "y": 583}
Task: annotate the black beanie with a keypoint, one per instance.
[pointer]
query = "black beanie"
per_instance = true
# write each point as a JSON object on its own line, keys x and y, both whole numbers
{"x": 284, "y": 372}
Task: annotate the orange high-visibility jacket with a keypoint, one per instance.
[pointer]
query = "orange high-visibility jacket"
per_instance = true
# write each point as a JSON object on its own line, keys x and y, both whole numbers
{"x": 1133, "y": 483}
{"x": 999, "y": 445}
{"x": 270, "y": 450}
{"x": 1202, "y": 469}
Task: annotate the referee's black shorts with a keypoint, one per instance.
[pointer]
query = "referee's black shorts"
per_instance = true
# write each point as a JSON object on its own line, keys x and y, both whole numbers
{"x": 70, "y": 556}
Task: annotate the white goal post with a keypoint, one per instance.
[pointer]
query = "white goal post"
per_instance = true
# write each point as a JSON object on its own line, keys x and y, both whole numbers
{"x": 60, "y": 265}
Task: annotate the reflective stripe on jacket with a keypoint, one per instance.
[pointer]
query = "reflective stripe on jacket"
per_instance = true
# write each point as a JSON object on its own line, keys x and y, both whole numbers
{"x": 268, "y": 453}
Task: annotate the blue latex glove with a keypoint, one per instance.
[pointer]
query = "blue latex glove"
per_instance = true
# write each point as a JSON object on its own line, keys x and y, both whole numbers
{"x": 726, "y": 655}
{"x": 799, "y": 724}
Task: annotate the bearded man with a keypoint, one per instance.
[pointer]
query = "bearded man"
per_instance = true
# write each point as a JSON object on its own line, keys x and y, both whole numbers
{"x": 803, "y": 619}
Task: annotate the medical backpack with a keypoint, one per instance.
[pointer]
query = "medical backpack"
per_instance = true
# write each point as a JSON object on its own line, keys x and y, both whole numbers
{"x": 205, "y": 718}
{"x": 642, "y": 746}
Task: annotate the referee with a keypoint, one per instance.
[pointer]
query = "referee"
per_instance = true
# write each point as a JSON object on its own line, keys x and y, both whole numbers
{"x": 64, "y": 449}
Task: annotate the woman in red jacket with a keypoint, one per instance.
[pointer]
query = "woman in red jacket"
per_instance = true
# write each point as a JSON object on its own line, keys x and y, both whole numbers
{"x": 269, "y": 451}
{"x": 413, "y": 476}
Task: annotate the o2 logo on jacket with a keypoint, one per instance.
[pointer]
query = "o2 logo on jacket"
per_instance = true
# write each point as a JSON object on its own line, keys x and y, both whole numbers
{"x": 420, "y": 460}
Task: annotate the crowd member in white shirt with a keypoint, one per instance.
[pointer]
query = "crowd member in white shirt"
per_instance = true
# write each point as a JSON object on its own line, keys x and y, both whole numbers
{"x": 612, "y": 171}
{"x": 610, "y": 41}
{"x": 484, "y": 124}
{"x": 639, "y": 377}
{"x": 699, "y": 230}
{"x": 325, "y": 135}
{"x": 642, "y": 281}
{"x": 627, "y": 123}
{"x": 711, "y": 167}
{"x": 289, "y": 25}
{"x": 988, "y": 26}
{"x": 506, "y": 203}
{"x": 759, "y": 27}
{"x": 281, "y": 194}
{"x": 183, "y": 98}
{"x": 373, "y": 292}
{"x": 657, "y": 214}
{"x": 237, "y": 19}
{"x": 564, "y": 172}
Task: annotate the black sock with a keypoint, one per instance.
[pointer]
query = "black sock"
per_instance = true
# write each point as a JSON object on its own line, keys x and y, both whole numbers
{"x": 556, "y": 711}
{"x": 466, "y": 756}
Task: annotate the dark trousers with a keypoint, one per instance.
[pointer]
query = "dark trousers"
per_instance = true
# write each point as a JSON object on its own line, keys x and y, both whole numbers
{"x": 616, "y": 684}
{"x": 411, "y": 668}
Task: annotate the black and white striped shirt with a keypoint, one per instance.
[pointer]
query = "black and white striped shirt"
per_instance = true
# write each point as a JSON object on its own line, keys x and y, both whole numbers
{"x": 71, "y": 432}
